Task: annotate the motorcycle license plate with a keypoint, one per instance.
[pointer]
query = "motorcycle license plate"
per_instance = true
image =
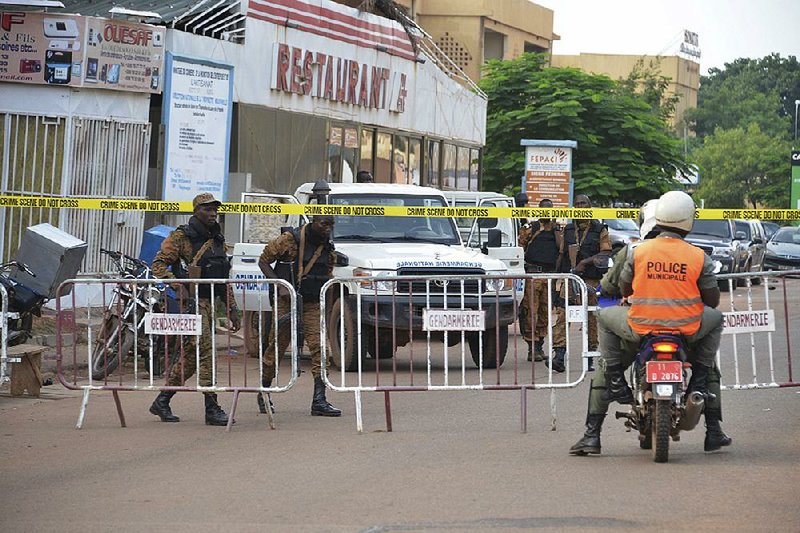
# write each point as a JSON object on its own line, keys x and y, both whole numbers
{"x": 664, "y": 371}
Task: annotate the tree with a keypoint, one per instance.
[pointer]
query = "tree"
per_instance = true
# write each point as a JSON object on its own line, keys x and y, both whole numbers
{"x": 747, "y": 91}
{"x": 648, "y": 82}
{"x": 625, "y": 151}
{"x": 739, "y": 166}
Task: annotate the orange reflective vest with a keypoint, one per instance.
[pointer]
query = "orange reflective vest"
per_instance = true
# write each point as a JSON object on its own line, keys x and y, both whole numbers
{"x": 665, "y": 292}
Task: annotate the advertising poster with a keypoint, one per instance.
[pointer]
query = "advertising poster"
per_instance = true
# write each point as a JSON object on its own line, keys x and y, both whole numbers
{"x": 80, "y": 51}
{"x": 41, "y": 48}
{"x": 548, "y": 174}
{"x": 123, "y": 55}
{"x": 197, "y": 123}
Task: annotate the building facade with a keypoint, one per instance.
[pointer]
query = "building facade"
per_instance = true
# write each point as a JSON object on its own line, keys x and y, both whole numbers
{"x": 684, "y": 74}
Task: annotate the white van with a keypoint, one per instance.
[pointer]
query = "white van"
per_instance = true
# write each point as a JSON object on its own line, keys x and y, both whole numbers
{"x": 388, "y": 246}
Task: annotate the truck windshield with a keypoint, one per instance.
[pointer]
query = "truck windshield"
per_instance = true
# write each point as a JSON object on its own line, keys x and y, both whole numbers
{"x": 365, "y": 227}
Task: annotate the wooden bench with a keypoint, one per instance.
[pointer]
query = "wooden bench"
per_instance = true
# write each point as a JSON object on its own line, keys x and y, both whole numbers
{"x": 26, "y": 373}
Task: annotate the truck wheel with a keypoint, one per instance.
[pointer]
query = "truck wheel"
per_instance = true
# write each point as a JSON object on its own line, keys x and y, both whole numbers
{"x": 251, "y": 319}
{"x": 343, "y": 357}
{"x": 385, "y": 346}
{"x": 491, "y": 357}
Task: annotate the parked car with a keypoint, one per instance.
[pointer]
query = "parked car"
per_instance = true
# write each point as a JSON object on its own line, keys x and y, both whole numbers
{"x": 756, "y": 244}
{"x": 770, "y": 228}
{"x": 621, "y": 231}
{"x": 720, "y": 240}
{"x": 783, "y": 250}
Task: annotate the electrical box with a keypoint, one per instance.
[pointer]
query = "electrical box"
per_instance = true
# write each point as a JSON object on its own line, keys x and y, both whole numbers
{"x": 53, "y": 255}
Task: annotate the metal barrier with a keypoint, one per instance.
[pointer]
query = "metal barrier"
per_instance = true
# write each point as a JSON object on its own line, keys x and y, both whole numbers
{"x": 411, "y": 324}
{"x": 758, "y": 320}
{"x": 4, "y": 316}
{"x": 140, "y": 334}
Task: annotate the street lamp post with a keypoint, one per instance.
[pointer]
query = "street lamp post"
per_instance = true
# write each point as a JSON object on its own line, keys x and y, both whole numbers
{"x": 796, "y": 103}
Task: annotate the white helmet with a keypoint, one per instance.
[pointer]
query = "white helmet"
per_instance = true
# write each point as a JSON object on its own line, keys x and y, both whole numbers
{"x": 647, "y": 218}
{"x": 676, "y": 210}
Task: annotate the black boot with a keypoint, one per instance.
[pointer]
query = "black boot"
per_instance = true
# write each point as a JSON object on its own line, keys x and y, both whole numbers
{"x": 530, "y": 350}
{"x": 161, "y": 409}
{"x": 557, "y": 362}
{"x": 215, "y": 416}
{"x": 715, "y": 437}
{"x": 262, "y": 406}
{"x": 617, "y": 389}
{"x": 319, "y": 405}
{"x": 538, "y": 351}
{"x": 699, "y": 379}
{"x": 590, "y": 442}
{"x": 590, "y": 368}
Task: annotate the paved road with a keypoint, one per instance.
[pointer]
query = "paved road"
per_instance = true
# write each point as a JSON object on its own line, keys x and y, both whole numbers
{"x": 455, "y": 462}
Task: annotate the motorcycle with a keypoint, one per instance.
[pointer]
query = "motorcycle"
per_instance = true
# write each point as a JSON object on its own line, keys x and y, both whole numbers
{"x": 23, "y": 304}
{"x": 124, "y": 318}
{"x": 662, "y": 406}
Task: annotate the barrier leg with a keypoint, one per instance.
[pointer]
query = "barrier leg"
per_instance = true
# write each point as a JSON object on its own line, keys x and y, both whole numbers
{"x": 523, "y": 415}
{"x": 359, "y": 422}
{"x": 387, "y": 405}
{"x": 553, "y": 409}
{"x": 120, "y": 414}
{"x": 82, "y": 413}
{"x": 233, "y": 409}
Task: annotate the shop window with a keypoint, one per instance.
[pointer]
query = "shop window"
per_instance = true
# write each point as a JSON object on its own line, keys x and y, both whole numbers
{"x": 349, "y": 155}
{"x": 335, "y": 154}
{"x": 400, "y": 160}
{"x": 474, "y": 161}
{"x": 449, "y": 167}
{"x": 367, "y": 138}
{"x": 383, "y": 158}
{"x": 462, "y": 169}
{"x": 414, "y": 156}
{"x": 432, "y": 164}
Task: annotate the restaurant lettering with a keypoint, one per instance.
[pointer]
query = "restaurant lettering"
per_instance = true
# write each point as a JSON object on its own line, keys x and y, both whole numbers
{"x": 320, "y": 75}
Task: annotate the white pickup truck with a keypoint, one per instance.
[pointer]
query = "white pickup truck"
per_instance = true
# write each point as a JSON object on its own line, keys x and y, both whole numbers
{"x": 387, "y": 246}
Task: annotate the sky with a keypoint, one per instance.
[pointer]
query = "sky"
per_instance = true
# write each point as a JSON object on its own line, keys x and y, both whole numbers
{"x": 727, "y": 29}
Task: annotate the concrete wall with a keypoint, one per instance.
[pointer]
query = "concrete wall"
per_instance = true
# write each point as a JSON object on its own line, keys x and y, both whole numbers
{"x": 685, "y": 74}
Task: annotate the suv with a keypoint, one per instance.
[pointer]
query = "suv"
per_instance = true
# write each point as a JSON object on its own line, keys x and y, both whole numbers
{"x": 755, "y": 244}
{"x": 388, "y": 246}
{"x": 720, "y": 240}
{"x": 621, "y": 232}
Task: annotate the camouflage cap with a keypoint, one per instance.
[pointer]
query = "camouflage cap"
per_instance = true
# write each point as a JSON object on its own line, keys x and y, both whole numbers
{"x": 204, "y": 198}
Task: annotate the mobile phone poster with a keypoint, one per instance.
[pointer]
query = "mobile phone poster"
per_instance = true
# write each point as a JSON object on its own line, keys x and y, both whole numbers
{"x": 77, "y": 51}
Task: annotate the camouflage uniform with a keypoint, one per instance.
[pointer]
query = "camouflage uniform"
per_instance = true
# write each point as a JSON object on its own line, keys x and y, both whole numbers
{"x": 175, "y": 250}
{"x": 284, "y": 248}
{"x": 533, "y": 308}
{"x": 592, "y": 283}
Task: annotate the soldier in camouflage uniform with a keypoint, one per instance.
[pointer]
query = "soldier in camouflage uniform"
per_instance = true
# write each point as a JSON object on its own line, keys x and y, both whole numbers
{"x": 593, "y": 249}
{"x": 598, "y": 406}
{"x": 541, "y": 243}
{"x": 307, "y": 275}
{"x": 196, "y": 249}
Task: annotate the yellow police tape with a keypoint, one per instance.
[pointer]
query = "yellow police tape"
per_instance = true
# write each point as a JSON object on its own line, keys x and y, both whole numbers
{"x": 38, "y": 202}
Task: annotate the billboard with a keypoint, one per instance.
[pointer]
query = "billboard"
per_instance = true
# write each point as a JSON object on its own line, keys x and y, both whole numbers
{"x": 46, "y": 48}
{"x": 548, "y": 171}
{"x": 198, "y": 107}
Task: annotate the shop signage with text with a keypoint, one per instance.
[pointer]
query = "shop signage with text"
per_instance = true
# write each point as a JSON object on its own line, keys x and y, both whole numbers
{"x": 319, "y": 75}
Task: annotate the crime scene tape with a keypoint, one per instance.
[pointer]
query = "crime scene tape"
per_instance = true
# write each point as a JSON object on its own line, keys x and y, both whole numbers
{"x": 104, "y": 204}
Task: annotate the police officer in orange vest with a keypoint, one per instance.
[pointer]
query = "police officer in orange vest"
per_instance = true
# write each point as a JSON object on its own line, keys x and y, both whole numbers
{"x": 670, "y": 285}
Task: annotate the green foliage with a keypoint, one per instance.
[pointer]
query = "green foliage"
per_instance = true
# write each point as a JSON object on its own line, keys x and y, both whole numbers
{"x": 648, "y": 82}
{"x": 744, "y": 168}
{"x": 749, "y": 91}
{"x": 625, "y": 151}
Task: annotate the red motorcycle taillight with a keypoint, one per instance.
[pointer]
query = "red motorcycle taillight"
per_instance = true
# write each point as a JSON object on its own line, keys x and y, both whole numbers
{"x": 665, "y": 347}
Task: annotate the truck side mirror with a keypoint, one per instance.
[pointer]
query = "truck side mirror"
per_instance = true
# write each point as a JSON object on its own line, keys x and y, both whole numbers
{"x": 740, "y": 236}
{"x": 341, "y": 259}
{"x": 494, "y": 240}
